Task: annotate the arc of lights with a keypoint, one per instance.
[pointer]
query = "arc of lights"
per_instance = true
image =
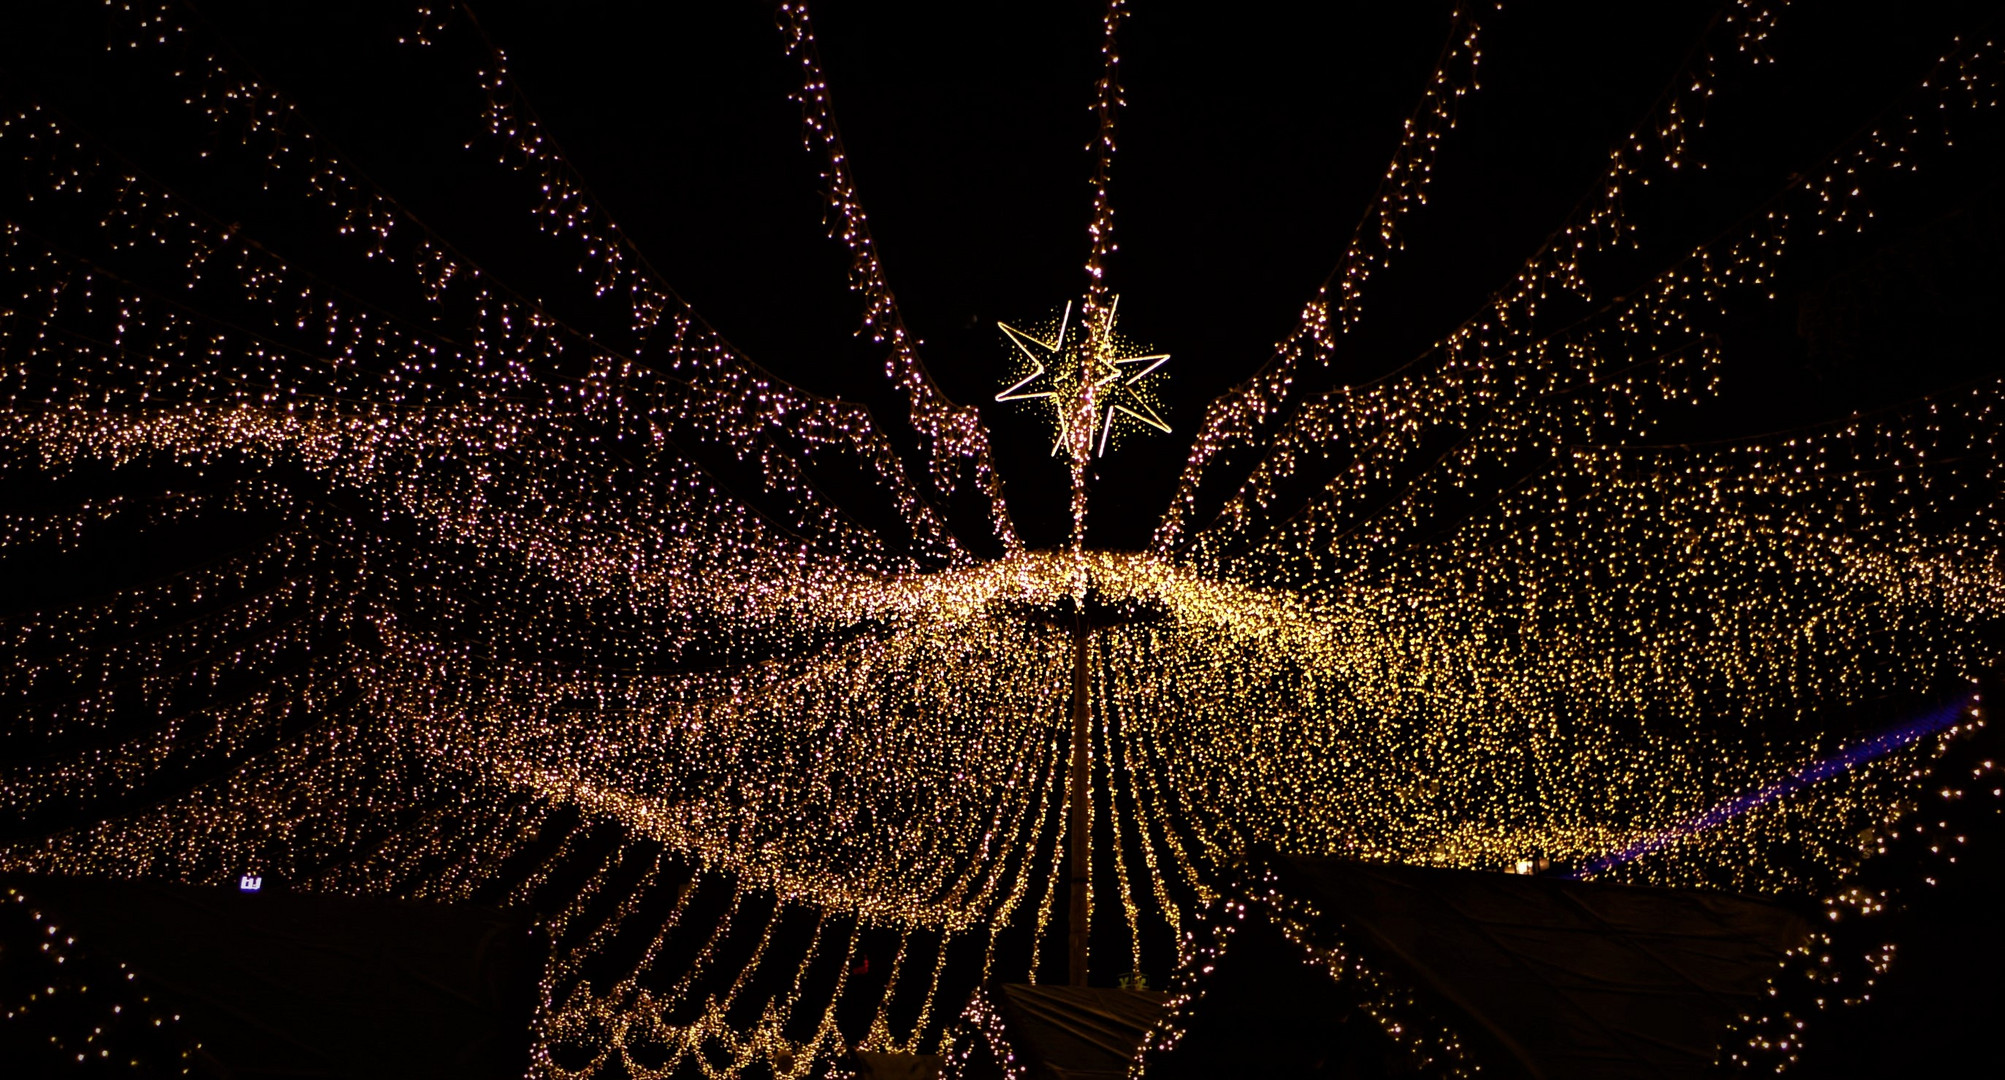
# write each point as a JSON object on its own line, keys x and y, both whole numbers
{"x": 1086, "y": 375}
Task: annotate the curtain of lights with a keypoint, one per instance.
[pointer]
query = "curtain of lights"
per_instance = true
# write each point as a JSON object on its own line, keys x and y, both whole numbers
{"x": 782, "y": 778}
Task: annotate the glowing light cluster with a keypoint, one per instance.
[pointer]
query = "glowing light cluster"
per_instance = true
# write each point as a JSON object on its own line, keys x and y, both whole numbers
{"x": 495, "y": 623}
{"x": 1089, "y": 376}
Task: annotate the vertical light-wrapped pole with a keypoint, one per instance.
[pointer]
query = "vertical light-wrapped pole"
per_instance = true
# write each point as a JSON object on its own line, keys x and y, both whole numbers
{"x": 1080, "y": 870}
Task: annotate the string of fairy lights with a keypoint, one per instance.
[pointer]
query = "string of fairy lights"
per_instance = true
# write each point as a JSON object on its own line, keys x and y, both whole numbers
{"x": 956, "y": 438}
{"x": 104, "y": 1018}
{"x": 1234, "y": 418}
{"x": 1478, "y": 364}
{"x": 504, "y": 618}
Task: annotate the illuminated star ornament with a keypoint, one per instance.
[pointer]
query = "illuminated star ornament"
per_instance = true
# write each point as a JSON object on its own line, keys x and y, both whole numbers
{"x": 1091, "y": 376}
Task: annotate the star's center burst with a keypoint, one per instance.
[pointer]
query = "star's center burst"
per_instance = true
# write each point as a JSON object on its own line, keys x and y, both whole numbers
{"x": 1091, "y": 376}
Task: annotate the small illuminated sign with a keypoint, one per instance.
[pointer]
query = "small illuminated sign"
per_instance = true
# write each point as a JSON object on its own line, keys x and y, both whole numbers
{"x": 250, "y": 883}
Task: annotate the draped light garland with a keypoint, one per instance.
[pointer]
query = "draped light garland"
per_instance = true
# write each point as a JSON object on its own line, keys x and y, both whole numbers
{"x": 492, "y": 624}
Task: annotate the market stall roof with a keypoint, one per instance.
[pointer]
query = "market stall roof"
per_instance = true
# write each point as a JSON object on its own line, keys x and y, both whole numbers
{"x": 1077, "y": 1032}
{"x": 1567, "y": 979}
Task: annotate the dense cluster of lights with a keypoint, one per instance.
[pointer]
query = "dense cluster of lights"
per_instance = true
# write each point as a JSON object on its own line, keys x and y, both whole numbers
{"x": 503, "y": 605}
{"x": 1092, "y": 379}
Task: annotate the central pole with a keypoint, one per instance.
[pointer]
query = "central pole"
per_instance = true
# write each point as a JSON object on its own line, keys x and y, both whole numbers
{"x": 1081, "y": 869}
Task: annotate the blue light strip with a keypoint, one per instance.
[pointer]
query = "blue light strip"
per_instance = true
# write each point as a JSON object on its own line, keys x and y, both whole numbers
{"x": 1891, "y": 739}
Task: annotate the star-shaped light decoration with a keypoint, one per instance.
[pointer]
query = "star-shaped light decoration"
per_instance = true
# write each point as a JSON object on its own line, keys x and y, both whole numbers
{"x": 1090, "y": 375}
